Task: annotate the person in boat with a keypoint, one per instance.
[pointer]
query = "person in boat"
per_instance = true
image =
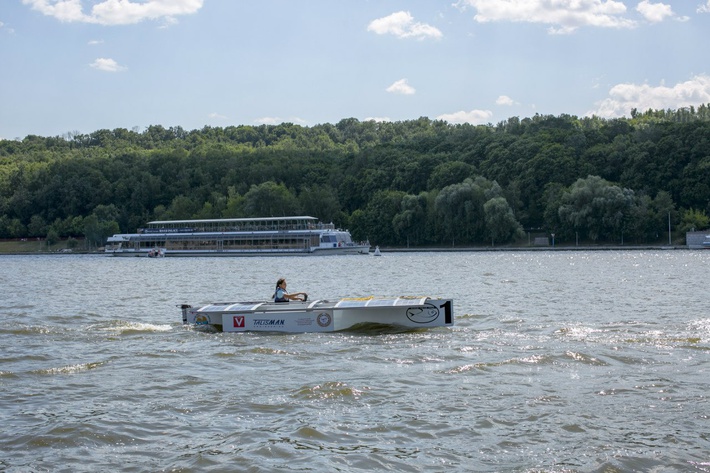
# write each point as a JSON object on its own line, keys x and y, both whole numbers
{"x": 280, "y": 295}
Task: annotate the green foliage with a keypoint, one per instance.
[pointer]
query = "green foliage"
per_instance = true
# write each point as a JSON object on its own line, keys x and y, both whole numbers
{"x": 379, "y": 215}
{"x": 448, "y": 173}
{"x": 52, "y": 236}
{"x": 501, "y": 224}
{"x": 595, "y": 208}
{"x": 460, "y": 209}
{"x": 693, "y": 220}
{"x": 410, "y": 222}
{"x": 270, "y": 200}
{"x": 100, "y": 225}
{"x": 320, "y": 202}
{"x": 415, "y": 182}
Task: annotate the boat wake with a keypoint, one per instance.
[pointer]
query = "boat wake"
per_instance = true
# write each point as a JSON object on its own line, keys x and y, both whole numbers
{"x": 127, "y": 327}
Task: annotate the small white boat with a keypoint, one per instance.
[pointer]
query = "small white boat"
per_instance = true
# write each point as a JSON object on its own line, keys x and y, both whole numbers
{"x": 322, "y": 315}
{"x": 156, "y": 253}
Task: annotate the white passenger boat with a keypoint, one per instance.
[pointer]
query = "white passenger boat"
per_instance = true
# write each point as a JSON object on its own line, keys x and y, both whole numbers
{"x": 322, "y": 315}
{"x": 236, "y": 237}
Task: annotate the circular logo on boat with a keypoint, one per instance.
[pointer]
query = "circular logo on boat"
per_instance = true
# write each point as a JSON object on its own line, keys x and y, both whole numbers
{"x": 324, "y": 319}
{"x": 202, "y": 319}
{"x": 423, "y": 315}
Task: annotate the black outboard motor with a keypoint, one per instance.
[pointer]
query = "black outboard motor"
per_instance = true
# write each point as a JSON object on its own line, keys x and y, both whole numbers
{"x": 184, "y": 308}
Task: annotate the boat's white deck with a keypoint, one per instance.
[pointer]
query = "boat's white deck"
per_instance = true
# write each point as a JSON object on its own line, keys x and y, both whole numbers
{"x": 350, "y": 303}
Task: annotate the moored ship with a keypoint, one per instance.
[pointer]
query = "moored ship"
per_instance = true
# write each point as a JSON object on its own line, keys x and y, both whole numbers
{"x": 267, "y": 236}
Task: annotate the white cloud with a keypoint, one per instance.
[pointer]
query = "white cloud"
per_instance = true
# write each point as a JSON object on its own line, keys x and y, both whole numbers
{"x": 624, "y": 97}
{"x": 269, "y": 120}
{"x": 704, "y": 8}
{"x": 402, "y": 25}
{"x": 4, "y": 27}
{"x": 278, "y": 120}
{"x": 377, "y": 119}
{"x": 217, "y": 116}
{"x": 505, "y": 100}
{"x": 475, "y": 117}
{"x": 401, "y": 87}
{"x": 657, "y": 12}
{"x": 107, "y": 65}
{"x": 654, "y": 12}
{"x": 563, "y": 16}
{"x": 94, "y": 42}
{"x": 115, "y": 12}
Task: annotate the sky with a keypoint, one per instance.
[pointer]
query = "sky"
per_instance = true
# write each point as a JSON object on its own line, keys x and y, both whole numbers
{"x": 78, "y": 66}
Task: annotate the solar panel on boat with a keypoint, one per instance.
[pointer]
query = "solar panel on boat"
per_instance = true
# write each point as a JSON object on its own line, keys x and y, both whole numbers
{"x": 230, "y": 306}
{"x": 381, "y": 302}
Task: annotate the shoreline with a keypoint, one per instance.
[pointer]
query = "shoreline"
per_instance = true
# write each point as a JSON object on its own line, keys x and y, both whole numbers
{"x": 466, "y": 249}
{"x": 540, "y": 248}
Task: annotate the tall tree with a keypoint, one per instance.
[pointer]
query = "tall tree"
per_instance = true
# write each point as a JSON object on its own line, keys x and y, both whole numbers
{"x": 270, "y": 200}
{"x": 501, "y": 224}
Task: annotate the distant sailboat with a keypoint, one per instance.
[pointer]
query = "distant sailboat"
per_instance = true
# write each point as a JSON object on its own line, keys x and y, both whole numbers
{"x": 377, "y": 251}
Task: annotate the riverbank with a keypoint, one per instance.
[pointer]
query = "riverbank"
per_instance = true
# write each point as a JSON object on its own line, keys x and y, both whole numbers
{"x": 40, "y": 247}
{"x": 537, "y": 248}
{"x": 33, "y": 248}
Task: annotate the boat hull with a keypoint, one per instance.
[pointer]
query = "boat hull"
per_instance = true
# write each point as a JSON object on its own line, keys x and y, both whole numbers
{"x": 350, "y": 250}
{"x": 322, "y": 315}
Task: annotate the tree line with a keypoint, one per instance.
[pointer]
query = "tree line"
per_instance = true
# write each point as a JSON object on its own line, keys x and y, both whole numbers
{"x": 415, "y": 182}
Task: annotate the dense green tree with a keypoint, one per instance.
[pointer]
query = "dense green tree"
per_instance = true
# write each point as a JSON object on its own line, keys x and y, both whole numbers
{"x": 234, "y": 207}
{"x": 410, "y": 223}
{"x": 37, "y": 226}
{"x": 52, "y": 236}
{"x": 379, "y": 215}
{"x": 359, "y": 225}
{"x": 501, "y": 224}
{"x": 460, "y": 208}
{"x": 693, "y": 219}
{"x": 270, "y": 200}
{"x": 450, "y": 172}
{"x": 181, "y": 208}
{"x": 663, "y": 210}
{"x": 420, "y": 181}
{"x": 97, "y": 231}
{"x": 596, "y": 209}
{"x": 320, "y": 202}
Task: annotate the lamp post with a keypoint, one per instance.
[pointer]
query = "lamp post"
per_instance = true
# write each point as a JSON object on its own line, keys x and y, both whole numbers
{"x": 553, "y": 239}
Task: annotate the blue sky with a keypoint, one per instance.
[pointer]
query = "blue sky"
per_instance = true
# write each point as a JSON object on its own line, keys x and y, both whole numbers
{"x": 70, "y": 66}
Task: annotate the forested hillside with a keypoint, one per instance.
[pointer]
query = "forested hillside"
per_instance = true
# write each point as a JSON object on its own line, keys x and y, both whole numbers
{"x": 417, "y": 182}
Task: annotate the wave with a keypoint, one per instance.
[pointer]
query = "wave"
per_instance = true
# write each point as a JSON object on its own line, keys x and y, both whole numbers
{"x": 127, "y": 327}
{"x": 695, "y": 336}
{"x": 22, "y": 329}
{"x": 69, "y": 369}
{"x": 329, "y": 390}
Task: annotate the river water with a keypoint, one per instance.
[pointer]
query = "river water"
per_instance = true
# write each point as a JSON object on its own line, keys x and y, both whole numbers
{"x": 558, "y": 362}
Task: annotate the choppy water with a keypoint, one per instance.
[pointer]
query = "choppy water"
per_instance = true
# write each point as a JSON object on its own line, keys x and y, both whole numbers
{"x": 559, "y": 362}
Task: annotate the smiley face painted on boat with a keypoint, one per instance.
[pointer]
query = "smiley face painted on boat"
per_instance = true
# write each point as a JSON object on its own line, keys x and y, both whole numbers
{"x": 423, "y": 315}
{"x": 202, "y": 319}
